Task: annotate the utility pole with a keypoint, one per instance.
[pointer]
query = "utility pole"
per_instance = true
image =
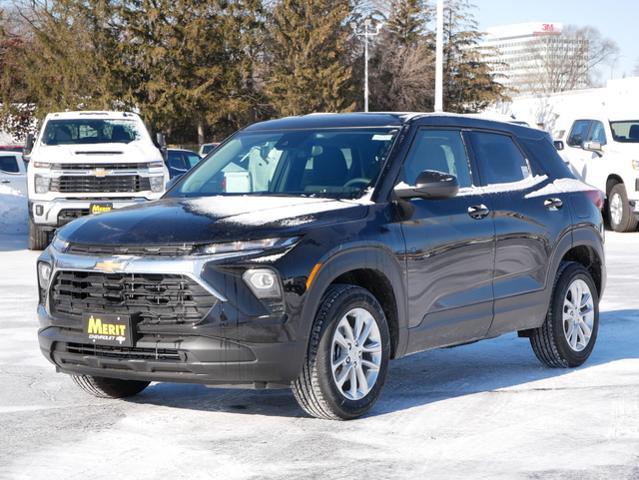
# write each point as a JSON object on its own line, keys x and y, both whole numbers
{"x": 367, "y": 32}
{"x": 439, "y": 58}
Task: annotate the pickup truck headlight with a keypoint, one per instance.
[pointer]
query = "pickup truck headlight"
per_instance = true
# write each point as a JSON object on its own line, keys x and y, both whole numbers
{"x": 157, "y": 183}
{"x": 44, "y": 274}
{"x": 155, "y": 165}
{"x": 246, "y": 246}
{"x": 42, "y": 184}
{"x": 635, "y": 164}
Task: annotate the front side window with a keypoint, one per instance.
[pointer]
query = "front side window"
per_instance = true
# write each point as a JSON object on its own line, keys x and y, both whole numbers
{"x": 440, "y": 150}
{"x": 579, "y": 133}
{"x": 625, "y": 132}
{"x": 597, "y": 133}
{"x": 9, "y": 164}
{"x": 175, "y": 160}
{"x": 90, "y": 131}
{"x": 499, "y": 159}
{"x": 339, "y": 163}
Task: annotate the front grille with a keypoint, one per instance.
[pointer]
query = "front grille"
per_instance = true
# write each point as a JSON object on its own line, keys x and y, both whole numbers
{"x": 93, "y": 166}
{"x": 154, "y": 299}
{"x": 69, "y": 214}
{"x": 144, "y": 250}
{"x": 125, "y": 353}
{"x": 91, "y": 184}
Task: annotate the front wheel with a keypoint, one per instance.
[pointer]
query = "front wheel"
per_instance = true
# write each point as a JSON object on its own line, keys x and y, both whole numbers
{"x": 347, "y": 358}
{"x": 38, "y": 238}
{"x": 568, "y": 334}
{"x": 622, "y": 218}
{"x": 103, "y": 387}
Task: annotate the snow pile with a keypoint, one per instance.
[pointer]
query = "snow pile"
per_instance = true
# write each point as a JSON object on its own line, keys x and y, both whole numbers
{"x": 561, "y": 185}
{"x": 13, "y": 211}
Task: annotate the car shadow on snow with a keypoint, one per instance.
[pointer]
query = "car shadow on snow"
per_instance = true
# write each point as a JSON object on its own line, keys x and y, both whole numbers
{"x": 423, "y": 378}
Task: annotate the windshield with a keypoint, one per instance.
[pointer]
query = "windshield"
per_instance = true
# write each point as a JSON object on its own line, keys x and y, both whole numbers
{"x": 626, "y": 131}
{"x": 333, "y": 163}
{"x": 89, "y": 131}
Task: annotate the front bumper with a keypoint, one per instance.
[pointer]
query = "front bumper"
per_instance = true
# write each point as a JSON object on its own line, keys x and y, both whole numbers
{"x": 48, "y": 212}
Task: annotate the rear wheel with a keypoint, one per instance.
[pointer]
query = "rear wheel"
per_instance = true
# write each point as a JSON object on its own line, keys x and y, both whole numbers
{"x": 348, "y": 354}
{"x": 622, "y": 218}
{"x": 569, "y": 332}
{"x": 109, "y": 387}
{"x": 38, "y": 238}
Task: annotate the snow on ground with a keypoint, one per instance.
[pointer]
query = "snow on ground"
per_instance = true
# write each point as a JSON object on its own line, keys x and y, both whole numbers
{"x": 482, "y": 411}
{"x": 13, "y": 211}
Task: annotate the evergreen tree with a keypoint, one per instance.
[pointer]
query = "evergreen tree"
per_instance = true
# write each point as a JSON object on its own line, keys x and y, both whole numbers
{"x": 307, "y": 52}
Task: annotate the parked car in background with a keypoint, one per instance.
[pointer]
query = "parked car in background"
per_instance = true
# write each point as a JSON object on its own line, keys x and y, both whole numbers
{"x": 88, "y": 163}
{"x": 207, "y": 148}
{"x": 603, "y": 151}
{"x": 358, "y": 238}
{"x": 12, "y": 148}
{"x": 13, "y": 172}
{"x": 179, "y": 161}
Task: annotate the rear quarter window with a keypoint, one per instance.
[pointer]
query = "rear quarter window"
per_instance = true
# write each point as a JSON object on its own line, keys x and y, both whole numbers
{"x": 544, "y": 158}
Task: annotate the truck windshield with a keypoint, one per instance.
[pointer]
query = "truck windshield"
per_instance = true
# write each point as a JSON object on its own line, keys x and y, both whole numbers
{"x": 339, "y": 163}
{"x": 626, "y": 131}
{"x": 90, "y": 131}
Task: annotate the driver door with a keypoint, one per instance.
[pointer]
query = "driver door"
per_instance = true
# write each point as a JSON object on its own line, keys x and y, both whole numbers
{"x": 450, "y": 247}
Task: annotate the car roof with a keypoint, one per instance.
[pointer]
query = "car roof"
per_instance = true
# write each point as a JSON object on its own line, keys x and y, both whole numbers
{"x": 390, "y": 119}
{"x": 100, "y": 114}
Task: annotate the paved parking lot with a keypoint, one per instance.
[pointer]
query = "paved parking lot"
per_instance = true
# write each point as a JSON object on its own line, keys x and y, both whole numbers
{"x": 487, "y": 410}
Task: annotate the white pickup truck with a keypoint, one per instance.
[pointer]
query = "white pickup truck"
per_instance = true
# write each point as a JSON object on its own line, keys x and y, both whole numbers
{"x": 88, "y": 163}
{"x": 603, "y": 150}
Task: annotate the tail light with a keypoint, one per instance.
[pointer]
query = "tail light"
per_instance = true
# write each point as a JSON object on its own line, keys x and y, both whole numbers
{"x": 597, "y": 197}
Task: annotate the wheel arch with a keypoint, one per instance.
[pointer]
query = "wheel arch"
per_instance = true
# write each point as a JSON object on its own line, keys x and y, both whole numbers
{"x": 374, "y": 268}
{"x": 612, "y": 180}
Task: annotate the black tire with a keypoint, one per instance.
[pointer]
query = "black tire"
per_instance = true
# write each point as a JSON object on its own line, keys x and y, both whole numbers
{"x": 628, "y": 221}
{"x": 102, "y": 387}
{"x": 38, "y": 238}
{"x": 549, "y": 341}
{"x": 315, "y": 390}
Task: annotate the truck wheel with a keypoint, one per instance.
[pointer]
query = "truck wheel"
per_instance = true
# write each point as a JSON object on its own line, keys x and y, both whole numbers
{"x": 622, "y": 219}
{"x": 569, "y": 332}
{"x": 347, "y": 358}
{"x": 38, "y": 238}
{"x": 102, "y": 387}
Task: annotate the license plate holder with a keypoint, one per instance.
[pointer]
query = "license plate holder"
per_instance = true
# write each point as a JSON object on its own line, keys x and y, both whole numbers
{"x": 109, "y": 329}
{"x": 97, "y": 208}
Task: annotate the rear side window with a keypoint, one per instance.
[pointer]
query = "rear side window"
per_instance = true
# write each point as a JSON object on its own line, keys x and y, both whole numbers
{"x": 9, "y": 164}
{"x": 546, "y": 160}
{"x": 578, "y": 133}
{"x": 440, "y": 150}
{"x": 176, "y": 161}
{"x": 499, "y": 159}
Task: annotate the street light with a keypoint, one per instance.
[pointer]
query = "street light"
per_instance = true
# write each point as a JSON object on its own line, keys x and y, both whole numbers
{"x": 439, "y": 58}
{"x": 367, "y": 32}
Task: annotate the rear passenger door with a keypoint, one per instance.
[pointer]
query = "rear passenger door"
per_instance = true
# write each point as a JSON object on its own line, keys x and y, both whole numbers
{"x": 450, "y": 247}
{"x": 12, "y": 172}
{"x": 527, "y": 226}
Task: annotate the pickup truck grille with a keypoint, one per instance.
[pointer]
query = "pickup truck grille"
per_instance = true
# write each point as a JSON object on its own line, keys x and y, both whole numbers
{"x": 154, "y": 299}
{"x": 92, "y": 184}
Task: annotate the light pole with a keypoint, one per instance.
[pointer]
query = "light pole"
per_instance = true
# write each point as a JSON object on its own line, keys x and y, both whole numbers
{"x": 367, "y": 32}
{"x": 439, "y": 58}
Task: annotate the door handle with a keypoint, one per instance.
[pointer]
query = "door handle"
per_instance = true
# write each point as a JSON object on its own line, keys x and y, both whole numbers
{"x": 5, "y": 181}
{"x": 553, "y": 204}
{"x": 478, "y": 211}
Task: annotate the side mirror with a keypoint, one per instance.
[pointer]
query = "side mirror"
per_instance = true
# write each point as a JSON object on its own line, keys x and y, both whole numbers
{"x": 160, "y": 140}
{"x": 430, "y": 184}
{"x": 559, "y": 145}
{"x": 592, "y": 147}
{"x": 28, "y": 146}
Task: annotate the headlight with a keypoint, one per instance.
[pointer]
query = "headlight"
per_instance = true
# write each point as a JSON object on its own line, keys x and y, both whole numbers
{"x": 157, "y": 183}
{"x": 247, "y": 246}
{"x": 155, "y": 165}
{"x": 263, "y": 282}
{"x": 41, "y": 165}
{"x": 635, "y": 164}
{"x": 42, "y": 184}
{"x": 44, "y": 274}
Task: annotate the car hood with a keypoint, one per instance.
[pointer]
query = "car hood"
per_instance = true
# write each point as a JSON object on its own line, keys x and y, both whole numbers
{"x": 209, "y": 219}
{"x": 133, "y": 152}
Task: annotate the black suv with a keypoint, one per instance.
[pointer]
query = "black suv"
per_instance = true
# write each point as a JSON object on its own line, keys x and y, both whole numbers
{"x": 307, "y": 252}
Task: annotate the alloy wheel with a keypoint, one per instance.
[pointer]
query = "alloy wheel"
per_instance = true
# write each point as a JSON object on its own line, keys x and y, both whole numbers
{"x": 578, "y": 315}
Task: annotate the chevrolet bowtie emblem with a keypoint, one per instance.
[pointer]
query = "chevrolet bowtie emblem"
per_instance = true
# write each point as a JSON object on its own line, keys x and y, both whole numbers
{"x": 109, "y": 266}
{"x": 101, "y": 172}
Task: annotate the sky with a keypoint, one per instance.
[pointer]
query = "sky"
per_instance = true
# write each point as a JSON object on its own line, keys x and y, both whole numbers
{"x": 615, "y": 19}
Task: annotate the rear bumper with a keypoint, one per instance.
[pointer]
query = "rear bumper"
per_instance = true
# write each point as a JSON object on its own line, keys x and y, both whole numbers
{"x": 47, "y": 212}
{"x": 175, "y": 358}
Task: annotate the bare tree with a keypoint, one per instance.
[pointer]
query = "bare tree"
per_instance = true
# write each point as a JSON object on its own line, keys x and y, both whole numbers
{"x": 567, "y": 61}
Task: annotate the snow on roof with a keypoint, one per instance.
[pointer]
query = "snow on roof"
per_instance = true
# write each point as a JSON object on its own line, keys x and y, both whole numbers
{"x": 91, "y": 114}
